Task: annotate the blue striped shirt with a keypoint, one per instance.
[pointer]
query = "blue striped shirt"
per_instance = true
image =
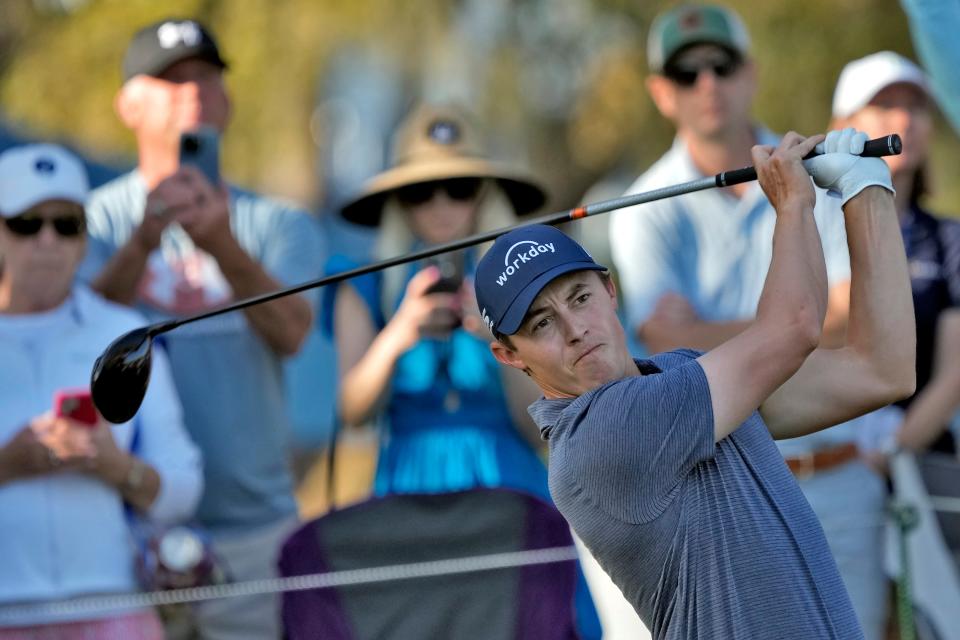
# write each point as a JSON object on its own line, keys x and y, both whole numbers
{"x": 705, "y": 539}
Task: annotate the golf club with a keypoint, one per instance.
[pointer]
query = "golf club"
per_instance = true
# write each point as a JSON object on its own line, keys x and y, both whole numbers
{"x": 121, "y": 374}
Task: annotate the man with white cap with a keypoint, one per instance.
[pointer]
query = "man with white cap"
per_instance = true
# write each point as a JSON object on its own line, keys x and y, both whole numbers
{"x": 666, "y": 467}
{"x": 64, "y": 483}
{"x": 887, "y": 92}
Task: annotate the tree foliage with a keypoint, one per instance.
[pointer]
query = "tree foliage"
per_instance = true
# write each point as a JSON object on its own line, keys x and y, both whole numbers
{"x": 59, "y": 73}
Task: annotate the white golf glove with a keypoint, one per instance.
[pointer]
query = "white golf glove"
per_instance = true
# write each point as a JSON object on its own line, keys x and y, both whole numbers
{"x": 842, "y": 173}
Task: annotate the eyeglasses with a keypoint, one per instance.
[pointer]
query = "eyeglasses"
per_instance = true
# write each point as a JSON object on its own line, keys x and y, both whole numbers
{"x": 686, "y": 75}
{"x": 69, "y": 225}
{"x": 459, "y": 189}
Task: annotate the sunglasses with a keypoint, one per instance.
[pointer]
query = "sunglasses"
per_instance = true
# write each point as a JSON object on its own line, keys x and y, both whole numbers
{"x": 459, "y": 189}
{"x": 69, "y": 225}
{"x": 686, "y": 75}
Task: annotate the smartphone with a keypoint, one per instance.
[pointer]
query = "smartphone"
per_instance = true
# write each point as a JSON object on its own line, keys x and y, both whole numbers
{"x": 76, "y": 404}
{"x": 451, "y": 272}
{"x": 201, "y": 149}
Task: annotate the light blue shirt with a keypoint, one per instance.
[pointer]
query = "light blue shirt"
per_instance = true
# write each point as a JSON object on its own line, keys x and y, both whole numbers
{"x": 934, "y": 25}
{"x": 712, "y": 248}
{"x": 229, "y": 380}
{"x": 66, "y": 534}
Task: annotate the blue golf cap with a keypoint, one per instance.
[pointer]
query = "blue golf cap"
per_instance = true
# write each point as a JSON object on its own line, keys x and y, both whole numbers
{"x": 517, "y": 268}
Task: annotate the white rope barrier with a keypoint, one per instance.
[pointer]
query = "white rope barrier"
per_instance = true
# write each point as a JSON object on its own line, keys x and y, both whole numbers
{"x": 453, "y": 566}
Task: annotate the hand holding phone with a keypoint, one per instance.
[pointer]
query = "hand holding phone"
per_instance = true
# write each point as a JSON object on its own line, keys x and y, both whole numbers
{"x": 76, "y": 404}
{"x": 201, "y": 149}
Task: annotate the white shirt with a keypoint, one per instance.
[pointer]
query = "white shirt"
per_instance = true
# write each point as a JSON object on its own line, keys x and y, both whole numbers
{"x": 66, "y": 534}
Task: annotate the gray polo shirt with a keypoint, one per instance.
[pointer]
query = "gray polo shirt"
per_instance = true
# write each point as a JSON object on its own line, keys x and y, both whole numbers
{"x": 706, "y": 540}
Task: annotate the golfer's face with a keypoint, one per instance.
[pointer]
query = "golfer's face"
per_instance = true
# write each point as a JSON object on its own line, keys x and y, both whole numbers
{"x": 571, "y": 340}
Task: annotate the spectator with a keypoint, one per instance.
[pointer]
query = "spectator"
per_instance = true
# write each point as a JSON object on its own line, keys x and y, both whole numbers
{"x": 693, "y": 267}
{"x": 412, "y": 347}
{"x": 666, "y": 467}
{"x": 886, "y": 93}
{"x": 166, "y": 240}
{"x": 64, "y": 484}
{"x": 418, "y": 356}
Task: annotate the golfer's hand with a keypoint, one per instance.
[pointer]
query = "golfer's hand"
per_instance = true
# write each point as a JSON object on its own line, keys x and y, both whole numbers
{"x": 781, "y": 172}
{"x": 420, "y": 313}
{"x": 843, "y": 173}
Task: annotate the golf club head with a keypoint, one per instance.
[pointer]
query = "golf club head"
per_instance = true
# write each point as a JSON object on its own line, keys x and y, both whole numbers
{"x": 121, "y": 374}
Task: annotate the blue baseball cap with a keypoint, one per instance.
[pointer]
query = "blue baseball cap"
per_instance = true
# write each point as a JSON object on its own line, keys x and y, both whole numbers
{"x": 517, "y": 268}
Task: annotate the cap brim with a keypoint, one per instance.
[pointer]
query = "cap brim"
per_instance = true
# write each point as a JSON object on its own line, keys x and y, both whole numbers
{"x": 525, "y": 195}
{"x": 517, "y": 310}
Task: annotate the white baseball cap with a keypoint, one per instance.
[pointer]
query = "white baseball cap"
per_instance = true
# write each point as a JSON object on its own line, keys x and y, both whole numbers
{"x": 34, "y": 173}
{"x": 862, "y": 79}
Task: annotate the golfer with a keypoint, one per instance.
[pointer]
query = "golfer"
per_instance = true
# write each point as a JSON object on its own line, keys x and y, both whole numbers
{"x": 667, "y": 468}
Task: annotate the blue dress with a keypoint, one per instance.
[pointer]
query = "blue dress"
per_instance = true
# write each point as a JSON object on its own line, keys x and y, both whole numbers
{"x": 446, "y": 426}
{"x": 446, "y": 423}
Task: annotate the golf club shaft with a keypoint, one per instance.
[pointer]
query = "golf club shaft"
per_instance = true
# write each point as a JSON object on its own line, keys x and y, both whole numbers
{"x": 888, "y": 145}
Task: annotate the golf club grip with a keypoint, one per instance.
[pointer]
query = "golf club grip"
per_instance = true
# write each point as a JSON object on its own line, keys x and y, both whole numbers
{"x": 889, "y": 145}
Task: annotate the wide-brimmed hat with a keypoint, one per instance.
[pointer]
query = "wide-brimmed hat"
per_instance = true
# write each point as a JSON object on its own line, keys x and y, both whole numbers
{"x": 439, "y": 143}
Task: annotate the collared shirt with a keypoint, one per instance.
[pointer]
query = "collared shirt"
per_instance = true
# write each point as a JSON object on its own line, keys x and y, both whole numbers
{"x": 709, "y": 246}
{"x": 66, "y": 534}
{"x": 705, "y": 539}
{"x": 229, "y": 380}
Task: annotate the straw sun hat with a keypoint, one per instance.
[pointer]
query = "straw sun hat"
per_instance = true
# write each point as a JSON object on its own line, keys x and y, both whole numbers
{"x": 439, "y": 143}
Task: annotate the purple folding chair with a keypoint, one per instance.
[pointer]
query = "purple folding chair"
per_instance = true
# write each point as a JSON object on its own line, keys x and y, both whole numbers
{"x": 532, "y": 601}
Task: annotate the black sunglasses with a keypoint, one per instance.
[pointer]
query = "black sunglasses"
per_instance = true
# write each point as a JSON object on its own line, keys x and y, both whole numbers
{"x": 460, "y": 189}
{"x": 69, "y": 225}
{"x": 686, "y": 75}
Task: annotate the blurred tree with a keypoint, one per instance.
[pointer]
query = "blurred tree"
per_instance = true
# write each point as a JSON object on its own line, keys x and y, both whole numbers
{"x": 560, "y": 81}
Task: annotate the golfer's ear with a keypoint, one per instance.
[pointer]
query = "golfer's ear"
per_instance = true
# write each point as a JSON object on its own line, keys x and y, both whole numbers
{"x": 506, "y": 355}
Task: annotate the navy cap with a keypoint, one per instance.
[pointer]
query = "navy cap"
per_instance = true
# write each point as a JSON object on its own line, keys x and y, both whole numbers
{"x": 517, "y": 268}
{"x": 158, "y": 46}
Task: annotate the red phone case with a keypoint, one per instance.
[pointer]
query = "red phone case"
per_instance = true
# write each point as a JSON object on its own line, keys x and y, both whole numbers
{"x": 76, "y": 404}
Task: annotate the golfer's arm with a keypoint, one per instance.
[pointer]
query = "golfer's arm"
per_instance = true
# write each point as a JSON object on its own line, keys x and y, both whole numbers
{"x": 931, "y": 409}
{"x": 120, "y": 277}
{"x": 877, "y": 364}
{"x": 745, "y": 370}
{"x": 366, "y": 359}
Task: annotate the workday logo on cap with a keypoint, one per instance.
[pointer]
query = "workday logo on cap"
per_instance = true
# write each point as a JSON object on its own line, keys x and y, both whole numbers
{"x": 517, "y": 267}
{"x": 522, "y": 252}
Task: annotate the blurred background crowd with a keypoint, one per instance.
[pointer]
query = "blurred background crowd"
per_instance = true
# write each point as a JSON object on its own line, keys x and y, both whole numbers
{"x": 380, "y": 128}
